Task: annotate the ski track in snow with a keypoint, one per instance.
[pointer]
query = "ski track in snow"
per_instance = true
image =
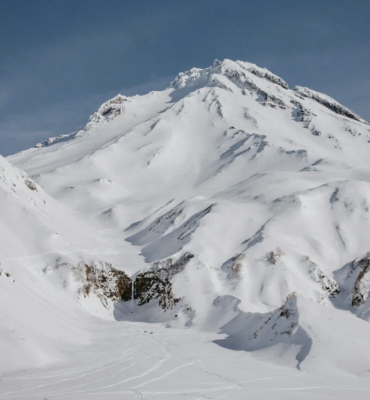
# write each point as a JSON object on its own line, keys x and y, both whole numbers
{"x": 143, "y": 368}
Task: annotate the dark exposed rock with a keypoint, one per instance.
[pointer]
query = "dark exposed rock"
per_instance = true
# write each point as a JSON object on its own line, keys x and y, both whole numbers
{"x": 306, "y": 116}
{"x": 328, "y": 285}
{"x": 263, "y": 73}
{"x": 155, "y": 283}
{"x": 361, "y": 267}
{"x": 271, "y": 100}
{"x": 57, "y": 139}
{"x": 303, "y": 114}
{"x": 271, "y": 77}
{"x": 103, "y": 280}
{"x": 31, "y": 185}
{"x": 241, "y": 79}
{"x": 219, "y": 83}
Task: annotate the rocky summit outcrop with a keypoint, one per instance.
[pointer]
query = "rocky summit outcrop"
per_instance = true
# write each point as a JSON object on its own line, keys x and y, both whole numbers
{"x": 107, "y": 112}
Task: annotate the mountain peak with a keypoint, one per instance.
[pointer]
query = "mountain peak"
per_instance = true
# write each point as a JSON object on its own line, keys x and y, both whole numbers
{"x": 233, "y": 76}
{"x": 234, "y": 70}
{"x": 226, "y": 203}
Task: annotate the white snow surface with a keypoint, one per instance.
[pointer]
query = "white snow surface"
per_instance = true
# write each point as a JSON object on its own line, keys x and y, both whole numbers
{"x": 267, "y": 187}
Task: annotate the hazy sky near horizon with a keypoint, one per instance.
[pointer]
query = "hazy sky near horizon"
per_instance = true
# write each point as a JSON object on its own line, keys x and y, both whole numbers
{"x": 60, "y": 59}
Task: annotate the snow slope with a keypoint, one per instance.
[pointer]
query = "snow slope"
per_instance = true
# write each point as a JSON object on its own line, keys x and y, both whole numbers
{"x": 32, "y": 222}
{"x": 238, "y": 207}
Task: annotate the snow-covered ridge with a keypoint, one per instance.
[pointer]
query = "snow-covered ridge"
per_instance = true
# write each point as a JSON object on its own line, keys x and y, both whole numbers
{"x": 107, "y": 112}
{"x": 225, "y": 75}
{"x": 328, "y": 102}
{"x": 56, "y": 139}
{"x": 263, "y": 73}
{"x": 227, "y": 68}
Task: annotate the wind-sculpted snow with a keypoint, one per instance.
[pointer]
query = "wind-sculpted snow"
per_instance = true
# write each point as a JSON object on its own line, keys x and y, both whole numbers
{"x": 161, "y": 245}
{"x": 158, "y": 227}
{"x": 253, "y": 332}
{"x": 197, "y": 210}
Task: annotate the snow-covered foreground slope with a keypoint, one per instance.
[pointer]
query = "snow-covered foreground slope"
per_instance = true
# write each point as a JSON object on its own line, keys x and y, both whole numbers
{"x": 137, "y": 361}
{"x": 224, "y": 218}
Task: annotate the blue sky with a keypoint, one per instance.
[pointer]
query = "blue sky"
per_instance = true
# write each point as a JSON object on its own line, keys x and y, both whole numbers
{"x": 60, "y": 59}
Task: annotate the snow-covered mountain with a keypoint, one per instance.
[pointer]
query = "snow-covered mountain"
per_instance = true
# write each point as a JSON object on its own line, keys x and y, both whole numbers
{"x": 225, "y": 205}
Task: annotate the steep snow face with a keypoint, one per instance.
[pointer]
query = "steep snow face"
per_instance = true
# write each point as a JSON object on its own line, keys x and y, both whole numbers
{"x": 32, "y": 222}
{"x": 263, "y": 191}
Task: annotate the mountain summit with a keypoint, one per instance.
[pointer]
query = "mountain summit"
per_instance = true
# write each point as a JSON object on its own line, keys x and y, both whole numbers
{"x": 226, "y": 204}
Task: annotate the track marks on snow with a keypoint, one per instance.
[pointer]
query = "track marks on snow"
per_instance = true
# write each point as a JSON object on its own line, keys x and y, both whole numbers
{"x": 147, "y": 366}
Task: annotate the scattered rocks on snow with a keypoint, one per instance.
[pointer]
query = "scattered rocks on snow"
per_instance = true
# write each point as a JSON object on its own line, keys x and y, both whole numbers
{"x": 31, "y": 185}
{"x": 274, "y": 256}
